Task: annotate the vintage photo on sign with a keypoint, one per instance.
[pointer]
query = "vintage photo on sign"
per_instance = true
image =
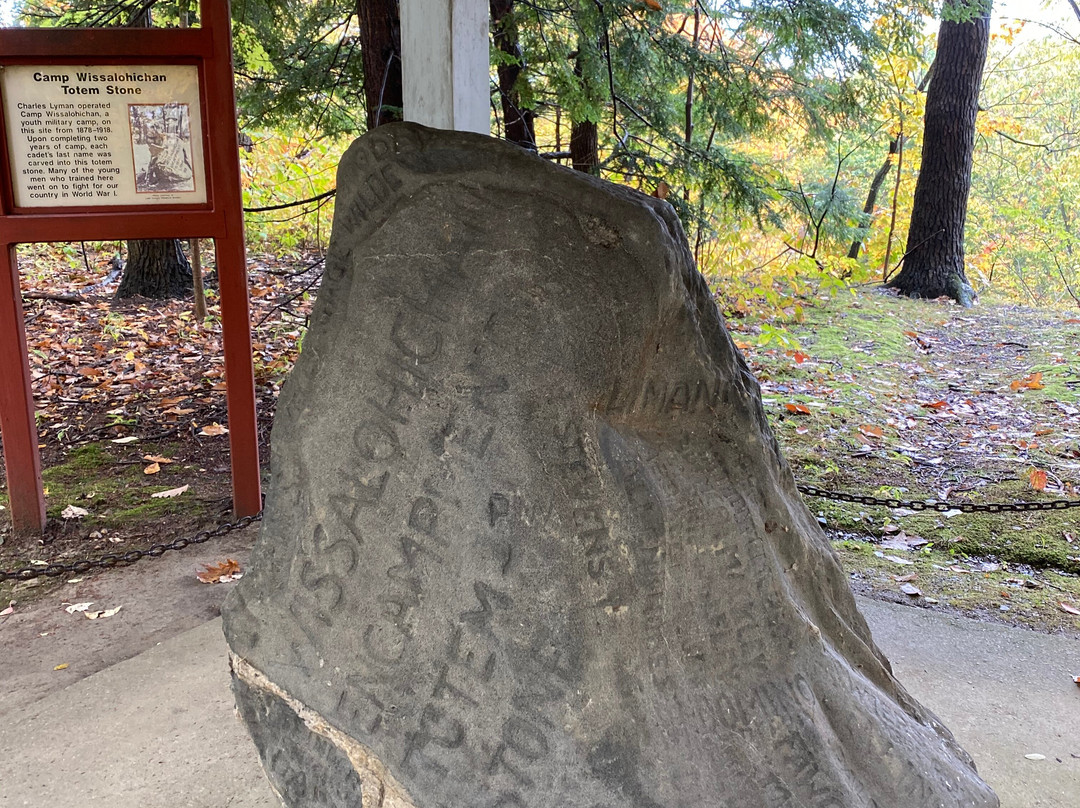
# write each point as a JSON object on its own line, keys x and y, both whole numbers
{"x": 161, "y": 143}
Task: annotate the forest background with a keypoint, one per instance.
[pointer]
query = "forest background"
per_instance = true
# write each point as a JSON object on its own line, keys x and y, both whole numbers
{"x": 787, "y": 136}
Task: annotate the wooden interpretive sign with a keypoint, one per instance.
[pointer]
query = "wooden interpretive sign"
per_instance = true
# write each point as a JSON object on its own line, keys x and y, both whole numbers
{"x": 93, "y": 135}
{"x": 120, "y": 133}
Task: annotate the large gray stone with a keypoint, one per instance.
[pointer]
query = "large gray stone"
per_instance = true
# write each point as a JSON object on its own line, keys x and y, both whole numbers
{"x": 530, "y": 541}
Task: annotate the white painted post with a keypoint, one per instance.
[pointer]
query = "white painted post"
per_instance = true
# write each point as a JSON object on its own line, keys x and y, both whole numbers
{"x": 445, "y": 63}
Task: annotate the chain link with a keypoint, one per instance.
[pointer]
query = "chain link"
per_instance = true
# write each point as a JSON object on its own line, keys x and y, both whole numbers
{"x": 157, "y": 550}
{"x": 940, "y": 505}
{"x": 120, "y": 559}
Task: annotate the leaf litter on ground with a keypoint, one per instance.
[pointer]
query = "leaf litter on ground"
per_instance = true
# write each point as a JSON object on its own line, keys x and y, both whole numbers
{"x": 954, "y": 428}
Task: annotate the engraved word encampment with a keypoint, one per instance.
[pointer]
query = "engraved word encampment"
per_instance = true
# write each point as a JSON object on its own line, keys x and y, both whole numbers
{"x": 530, "y": 541}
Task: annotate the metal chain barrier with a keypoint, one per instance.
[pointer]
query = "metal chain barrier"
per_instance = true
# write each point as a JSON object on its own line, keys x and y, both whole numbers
{"x": 157, "y": 550}
{"x": 120, "y": 559}
{"x": 940, "y": 505}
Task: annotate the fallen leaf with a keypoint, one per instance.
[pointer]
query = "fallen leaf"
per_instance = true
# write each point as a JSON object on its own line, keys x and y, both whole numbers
{"x": 911, "y": 589}
{"x": 79, "y": 607}
{"x": 153, "y": 468}
{"x": 61, "y": 666}
{"x": 654, "y": 5}
{"x": 936, "y": 405}
{"x": 102, "y": 613}
{"x": 895, "y": 559}
{"x": 903, "y": 579}
{"x": 213, "y": 430}
{"x": 74, "y": 512}
{"x": 1038, "y": 479}
{"x": 1035, "y": 756}
{"x": 226, "y": 571}
{"x": 799, "y": 357}
{"x": 157, "y": 459}
{"x": 172, "y": 492}
{"x": 798, "y": 409}
{"x": 7, "y": 611}
{"x": 871, "y": 429}
{"x": 128, "y": 439}
{"x": 1031, "y": 382}
{"x": 1069, "y": 608}
{"x": 902, "y": 541}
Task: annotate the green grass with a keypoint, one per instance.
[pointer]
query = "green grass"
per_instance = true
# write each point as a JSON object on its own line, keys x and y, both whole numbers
{"x": 874, "y": 362}
{"x": 103, "y": 480}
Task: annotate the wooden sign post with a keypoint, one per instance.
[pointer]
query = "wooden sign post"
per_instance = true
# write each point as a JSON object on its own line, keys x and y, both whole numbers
{"x": 120, "y": 133}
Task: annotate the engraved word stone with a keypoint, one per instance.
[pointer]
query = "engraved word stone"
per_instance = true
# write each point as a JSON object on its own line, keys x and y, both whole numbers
{"x": 530, "y": 542}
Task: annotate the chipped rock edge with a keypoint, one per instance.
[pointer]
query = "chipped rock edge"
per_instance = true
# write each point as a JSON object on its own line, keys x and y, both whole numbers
{"x": 388, "y": 793}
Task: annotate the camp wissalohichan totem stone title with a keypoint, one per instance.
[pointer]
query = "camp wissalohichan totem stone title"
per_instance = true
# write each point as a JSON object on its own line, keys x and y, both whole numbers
{"x": 530, "y": 541}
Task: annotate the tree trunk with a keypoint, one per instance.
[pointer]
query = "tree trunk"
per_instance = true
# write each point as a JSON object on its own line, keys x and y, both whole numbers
{"x": 584, "y": 147}
{"x": 380, "y": 46}
{"x": 584, "y": 135}
{"x": 934, "y": 260}
{"x": 155, "y": 268}
{"x": 518, "y": 122}
{"x": 872, "y": 195}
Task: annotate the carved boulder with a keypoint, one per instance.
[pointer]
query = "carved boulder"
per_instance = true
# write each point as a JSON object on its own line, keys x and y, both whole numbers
{"x": 530, "y": 541}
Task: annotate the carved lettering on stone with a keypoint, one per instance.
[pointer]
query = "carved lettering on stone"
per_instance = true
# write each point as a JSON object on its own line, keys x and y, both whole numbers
{"x": 529, "y": 540}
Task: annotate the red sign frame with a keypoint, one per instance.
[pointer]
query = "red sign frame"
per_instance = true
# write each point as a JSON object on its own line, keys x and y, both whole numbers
{"x": 220, "y": 218}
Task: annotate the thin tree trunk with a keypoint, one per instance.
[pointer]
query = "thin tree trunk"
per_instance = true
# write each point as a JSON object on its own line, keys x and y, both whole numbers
{"x": 194, "y": 247}
{"x": 689, "y": 108}
{"x": 380, "y": 47}
{"x": 872, "y": 195}
{"x": 895, "y": 204}
{"x": 518, "y": 122}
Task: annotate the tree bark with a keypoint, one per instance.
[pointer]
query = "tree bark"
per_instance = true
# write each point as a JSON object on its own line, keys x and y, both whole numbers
{"x": 155, "y": 268}
{"x": 872, "y": 195}
{"x": 518, "y": 122}
{"x": 584, "y": 147}
{"x": 584, "y": 135}
{"x": 934, "y": 259}
{"x": 380, "y": 47}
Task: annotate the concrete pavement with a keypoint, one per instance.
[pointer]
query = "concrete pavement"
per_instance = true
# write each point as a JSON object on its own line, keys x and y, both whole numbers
{"x": 158, "y": 731}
